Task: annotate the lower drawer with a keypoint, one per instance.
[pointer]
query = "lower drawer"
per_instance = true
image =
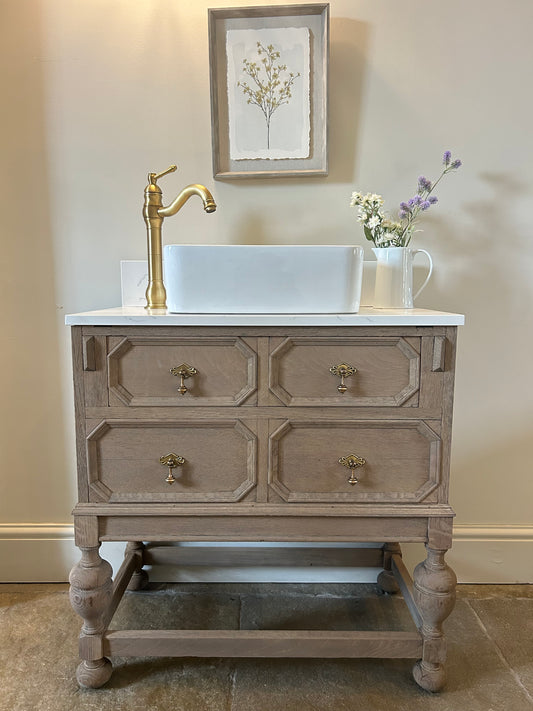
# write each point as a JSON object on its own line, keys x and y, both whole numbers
{"x": 217, "y": 461}
{"x": 394, "y": 461}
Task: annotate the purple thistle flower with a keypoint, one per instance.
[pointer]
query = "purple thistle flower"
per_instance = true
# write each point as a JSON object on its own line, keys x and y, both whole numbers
{"x": 424, "y": 184}
{"x": 401, "y": 233}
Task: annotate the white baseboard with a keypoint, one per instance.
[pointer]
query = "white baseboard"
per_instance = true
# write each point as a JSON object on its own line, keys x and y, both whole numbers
{"x": 480, "y": 554}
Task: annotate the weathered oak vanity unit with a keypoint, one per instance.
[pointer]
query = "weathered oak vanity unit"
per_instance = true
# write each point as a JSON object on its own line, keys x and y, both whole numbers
{"x": 263, "y": 428}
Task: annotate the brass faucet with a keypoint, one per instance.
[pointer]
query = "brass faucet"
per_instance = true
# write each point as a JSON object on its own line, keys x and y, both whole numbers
{"x": 154, "y": 213}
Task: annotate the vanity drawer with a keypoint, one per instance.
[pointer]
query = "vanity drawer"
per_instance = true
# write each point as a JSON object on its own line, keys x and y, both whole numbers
{"x": 308, "y": 371}
{"x": 399, "y": 461}
{"x": 181, "y": 371}
{"x": 218, "y": 461}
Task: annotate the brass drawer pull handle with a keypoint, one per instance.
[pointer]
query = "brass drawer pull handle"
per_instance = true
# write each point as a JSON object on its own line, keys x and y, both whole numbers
{"x": 184, "y": 371}
{"x": 343, "y": 370}
{"x": 352, "y": 461}
{"x": 171, "y": 461}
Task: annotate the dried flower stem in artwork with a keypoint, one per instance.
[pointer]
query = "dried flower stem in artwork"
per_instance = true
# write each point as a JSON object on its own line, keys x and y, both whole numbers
{"x": 270, "y": 85}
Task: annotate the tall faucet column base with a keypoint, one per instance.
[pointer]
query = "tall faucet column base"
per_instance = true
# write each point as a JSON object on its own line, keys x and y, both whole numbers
{"x": 156, "y": 295}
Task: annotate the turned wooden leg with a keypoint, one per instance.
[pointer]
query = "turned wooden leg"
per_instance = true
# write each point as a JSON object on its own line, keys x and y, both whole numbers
{"x": 386, "y": 580}
{"x": 434, "y": 596}
{"x": 91, "y": 589}
{"x": 139, "y": 579}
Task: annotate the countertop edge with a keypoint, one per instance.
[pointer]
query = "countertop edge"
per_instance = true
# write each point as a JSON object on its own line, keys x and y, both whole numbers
{"x": 137, "y": 316}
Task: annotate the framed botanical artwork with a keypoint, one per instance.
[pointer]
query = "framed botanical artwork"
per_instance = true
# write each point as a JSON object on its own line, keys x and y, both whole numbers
{"x": 269, "y": 98}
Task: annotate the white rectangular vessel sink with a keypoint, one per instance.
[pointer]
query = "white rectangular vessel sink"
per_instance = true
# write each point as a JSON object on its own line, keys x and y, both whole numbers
{"x": 263, "y": 278}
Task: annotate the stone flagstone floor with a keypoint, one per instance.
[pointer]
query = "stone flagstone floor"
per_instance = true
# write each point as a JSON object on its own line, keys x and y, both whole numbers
{"x": 490, "y": 651}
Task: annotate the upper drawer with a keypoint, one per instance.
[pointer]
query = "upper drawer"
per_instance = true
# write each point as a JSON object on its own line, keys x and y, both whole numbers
{"x": 163, "y": 371}
{"x": 386, "y": 371}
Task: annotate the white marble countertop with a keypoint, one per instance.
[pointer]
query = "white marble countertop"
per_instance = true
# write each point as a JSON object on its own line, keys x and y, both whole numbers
{"x": 138, "y": 316}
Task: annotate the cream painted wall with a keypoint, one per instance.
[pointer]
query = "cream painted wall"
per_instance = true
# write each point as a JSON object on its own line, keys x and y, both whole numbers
{"x": 96, "y": 94}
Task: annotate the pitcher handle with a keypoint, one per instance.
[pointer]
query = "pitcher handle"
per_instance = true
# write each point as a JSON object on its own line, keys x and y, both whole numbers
{"x": 428, "y": 255}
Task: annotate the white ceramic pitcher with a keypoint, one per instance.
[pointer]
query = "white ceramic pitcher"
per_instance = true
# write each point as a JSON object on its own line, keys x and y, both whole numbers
{"x": 394, "y": 277}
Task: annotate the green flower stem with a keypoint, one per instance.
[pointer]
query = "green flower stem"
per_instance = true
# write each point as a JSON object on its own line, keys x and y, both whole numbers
{"x": 413, "y": 216}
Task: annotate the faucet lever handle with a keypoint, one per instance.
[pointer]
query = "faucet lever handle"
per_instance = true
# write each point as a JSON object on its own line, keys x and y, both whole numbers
{"x": 154, "y": 177}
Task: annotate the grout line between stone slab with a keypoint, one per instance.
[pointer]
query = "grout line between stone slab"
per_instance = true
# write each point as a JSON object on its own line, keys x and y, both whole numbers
{"x": 313, "y": 596}
{"x": 233, "y": 673}
{"x": 233, "y": 683}
{"x": 239, "y": 598}
{"x": 500, "y": 654}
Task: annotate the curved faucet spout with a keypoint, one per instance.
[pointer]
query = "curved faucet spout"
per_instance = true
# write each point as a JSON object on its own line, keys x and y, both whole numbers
{"x": 186, "y": 193}
{"x": 154, "y": 213}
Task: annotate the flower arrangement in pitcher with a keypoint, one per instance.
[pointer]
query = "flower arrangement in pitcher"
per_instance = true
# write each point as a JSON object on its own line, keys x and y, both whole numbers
{"x": 382, "y": 231}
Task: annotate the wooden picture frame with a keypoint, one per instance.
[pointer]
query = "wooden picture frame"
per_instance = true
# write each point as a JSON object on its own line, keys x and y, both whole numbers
{"x": 297, "y": 144}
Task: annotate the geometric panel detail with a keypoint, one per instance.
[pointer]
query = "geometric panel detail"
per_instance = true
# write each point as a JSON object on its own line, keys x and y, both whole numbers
{"x": 123, "y": 461}
{"x": 387, "y": 372}
{"x": 227, "y": 364}
{"x": 402, "y": 461}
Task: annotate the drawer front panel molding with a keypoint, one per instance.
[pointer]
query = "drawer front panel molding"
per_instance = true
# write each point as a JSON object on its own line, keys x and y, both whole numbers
{"x": 387, "y": 371}
{"x": 139, "y": 371}
{"x": 124, "y": 461}
{"x": 400, "y": 461}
